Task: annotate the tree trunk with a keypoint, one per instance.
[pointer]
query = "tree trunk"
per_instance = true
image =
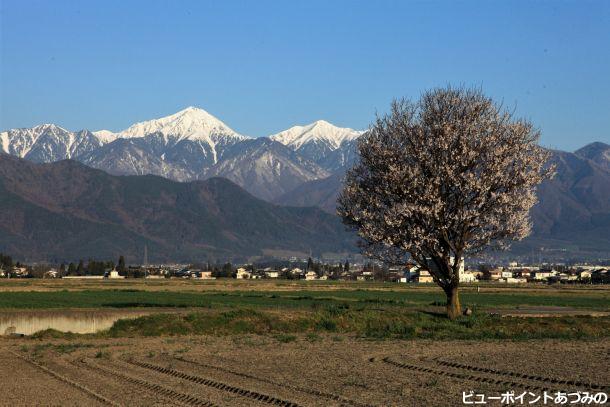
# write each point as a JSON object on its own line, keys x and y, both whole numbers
{"x": 454, "y": 309}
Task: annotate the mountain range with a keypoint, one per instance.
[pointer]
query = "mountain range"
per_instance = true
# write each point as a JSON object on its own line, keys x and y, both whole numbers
{"x": 572, "y": 215}
{"x": 194, "y": 145}
{"x": 66, "y": 210}
{"x": 304, "y": 166}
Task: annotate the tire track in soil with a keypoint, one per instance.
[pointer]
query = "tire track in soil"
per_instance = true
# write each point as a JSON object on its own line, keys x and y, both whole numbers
{"x": 216, "y": 385}
{"x": 463, "y": 376}
{"x": 554, "y": 381}
{"x": 136, "y": 388}
{"x": 167, "y": 393}
{"x": 313, "y": 392}
{"x": 64, "y": 379}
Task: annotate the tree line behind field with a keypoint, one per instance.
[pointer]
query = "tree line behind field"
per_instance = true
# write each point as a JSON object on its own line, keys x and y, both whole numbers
{"x": 81, "y": 268}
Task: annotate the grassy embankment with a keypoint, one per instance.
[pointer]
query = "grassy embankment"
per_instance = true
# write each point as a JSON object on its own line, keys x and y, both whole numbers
{"x": 369, "y": 313}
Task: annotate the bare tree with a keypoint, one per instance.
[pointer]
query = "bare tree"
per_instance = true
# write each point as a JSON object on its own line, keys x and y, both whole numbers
{"x": 448, "y": 175}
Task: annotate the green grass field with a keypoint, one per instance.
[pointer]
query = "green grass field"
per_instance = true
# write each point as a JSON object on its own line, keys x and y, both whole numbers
{"x": 372, "y": 324}
{"x": 302, "y": 299}
{"x": 373, "y": 311}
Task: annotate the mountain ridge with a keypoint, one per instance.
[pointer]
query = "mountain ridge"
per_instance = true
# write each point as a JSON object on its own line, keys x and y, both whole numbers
{"x": 597, "y": 152}
{"x": 573, "y": 208}
{"x": 66, "y": 210}
{"x": 301, "y": 166}
{"x": 192, "y": 144}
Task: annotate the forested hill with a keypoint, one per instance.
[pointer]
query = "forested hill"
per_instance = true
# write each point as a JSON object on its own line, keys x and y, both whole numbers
{"x": 66, "y": 210}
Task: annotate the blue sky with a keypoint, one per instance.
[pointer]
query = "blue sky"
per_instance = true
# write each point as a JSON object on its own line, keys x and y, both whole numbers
{"x": 263, "y": 66}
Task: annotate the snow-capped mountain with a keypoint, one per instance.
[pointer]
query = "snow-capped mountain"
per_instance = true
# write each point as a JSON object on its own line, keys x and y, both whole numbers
{"x": 137, "y": 156}
{"x": 320, "y": 141}
{"x": 265, "y": 168}
{"x": 48, "y": 143}
{"x": 192, "y": 144}
{"x": 191, "y": 137}
{"x": 105, "y": 135}
{"x": 191, "y": 123}
{"x": 298, "y": 137}
{"x": 180, "y": 146}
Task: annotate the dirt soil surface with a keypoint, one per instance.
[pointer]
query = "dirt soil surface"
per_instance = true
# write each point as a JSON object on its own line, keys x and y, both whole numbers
{"x": 284, "y": 371}
{"x": 25, "y": 383}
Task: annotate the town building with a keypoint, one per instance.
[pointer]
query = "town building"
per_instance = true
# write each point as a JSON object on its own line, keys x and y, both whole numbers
{"x": 423, "y": 276}
{"x": 206, "y": 275}
{"x": 272, "y": 274}
{"x": 242, "y": 274}
{"x": 510, "y": 280}
{"x": 464, "y": 275}
{"x": 495, "y": 274}
{"x": 467, "y": 277}
{"x": 543, "y": 274}
{"x": 584, "y": 275}
{"x": 506, "y": 274}
{"x": 311, "y": 275}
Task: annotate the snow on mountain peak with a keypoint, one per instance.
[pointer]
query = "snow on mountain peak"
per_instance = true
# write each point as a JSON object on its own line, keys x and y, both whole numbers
{"x": 191, "y": 123}
{"x": 41, "y": 128}
{"x": 320, "y": 130}
{"x": 105, "y": 136}
{"x": 4, "y": 141}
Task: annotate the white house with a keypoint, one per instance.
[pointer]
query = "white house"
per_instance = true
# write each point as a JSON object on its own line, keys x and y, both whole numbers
{"x": 411, "y": 271}
{"x": 20, "y": 271}
{"x": 514, "y": 280}
{"x": 543, "y": 275}
{"x": 467, "y": 277}
{"x": 506, "y": 274}
{"x": 115, "y": 274}
{"x": 495, "y": 274}
{"x": 242, "y": 274}
{"x": 464, "y": 276}
{"x": 311, "y": 275}
{"x": 297, "y": 273}
{"x": 423, "y": 276}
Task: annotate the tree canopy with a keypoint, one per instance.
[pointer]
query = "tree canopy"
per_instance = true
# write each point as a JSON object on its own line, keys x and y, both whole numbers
{"x": 448, "y": 175}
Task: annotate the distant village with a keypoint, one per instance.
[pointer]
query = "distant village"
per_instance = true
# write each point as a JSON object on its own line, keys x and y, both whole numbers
{"x": 310, "y": 270}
